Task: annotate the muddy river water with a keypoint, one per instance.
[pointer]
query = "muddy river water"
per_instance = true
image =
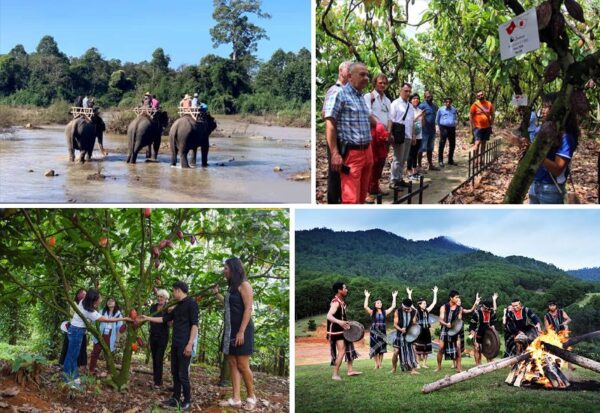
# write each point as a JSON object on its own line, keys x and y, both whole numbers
{"x": 242, "y": 160}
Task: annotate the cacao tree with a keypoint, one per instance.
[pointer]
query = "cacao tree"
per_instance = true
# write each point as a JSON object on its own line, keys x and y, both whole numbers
{"x": 127, "y": 253}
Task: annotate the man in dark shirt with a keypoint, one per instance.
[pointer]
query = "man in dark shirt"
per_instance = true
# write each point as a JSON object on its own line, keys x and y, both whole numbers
{"x": 185, "y": 329}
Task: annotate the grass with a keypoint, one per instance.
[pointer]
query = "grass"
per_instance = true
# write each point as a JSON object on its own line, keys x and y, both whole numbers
{"x": 301, "y": 326}
{"x": 587, "y": 299}
{"x": 380, "y": 391}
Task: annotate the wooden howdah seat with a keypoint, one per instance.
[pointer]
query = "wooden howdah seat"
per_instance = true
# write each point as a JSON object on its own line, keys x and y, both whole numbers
{"x": 82, "y": 112}
{"x": 193, "y": 112}
{"x": 145, "y": 111}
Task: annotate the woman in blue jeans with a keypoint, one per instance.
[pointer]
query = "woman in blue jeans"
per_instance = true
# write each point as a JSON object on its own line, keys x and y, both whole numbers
{"x": 87, "y": 307}
{"x": 549, "y": 183}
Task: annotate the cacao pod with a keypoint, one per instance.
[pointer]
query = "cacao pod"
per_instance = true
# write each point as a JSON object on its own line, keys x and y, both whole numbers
{"x": 140, "y": 342}
{"x": 134, "y": 347}
{"x": 162, "y": 244}
{"x": 557, "y": 25}
{"x": 552, "y": 71}
{"x": 156, "y": 263}
{"x": 133, "y": 314}
{"x": 103, "y": 242}
{"x": 544, "y": 14}
{"x": 52, "y": 241}
{"x": 180, "y": 234}
{"x": 147, "y": 212}
{"x": 575, "y": 10}
{"x": 579, "y": 103}
{"x": 192, "y": 240}
{"x": 170, "y": 244}
{"x": 155, "y": 250}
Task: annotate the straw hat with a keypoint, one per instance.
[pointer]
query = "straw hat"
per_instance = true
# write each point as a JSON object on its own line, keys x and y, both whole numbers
{"x": 186, "y": 96}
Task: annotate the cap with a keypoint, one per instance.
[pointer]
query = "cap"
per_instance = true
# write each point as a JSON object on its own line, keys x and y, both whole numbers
{"x": 195, "y": 94}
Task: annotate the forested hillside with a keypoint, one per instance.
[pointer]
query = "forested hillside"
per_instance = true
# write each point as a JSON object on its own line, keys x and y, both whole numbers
{"x": 383, "y": 262}
{"x": 590, "y": 274}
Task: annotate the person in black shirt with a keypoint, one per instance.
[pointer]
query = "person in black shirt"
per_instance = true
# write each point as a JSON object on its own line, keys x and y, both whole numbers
{"x": 185, "y": 329}
{"x": 159, "y": 336}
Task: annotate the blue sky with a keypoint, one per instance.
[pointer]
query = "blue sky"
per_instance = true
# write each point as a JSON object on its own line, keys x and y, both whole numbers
{"x": 566, "y": 238}
{"x": 130, "y": 30}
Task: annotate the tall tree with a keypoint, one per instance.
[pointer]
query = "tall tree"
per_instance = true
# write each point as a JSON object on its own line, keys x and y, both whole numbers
{"x": 233, "y": 26}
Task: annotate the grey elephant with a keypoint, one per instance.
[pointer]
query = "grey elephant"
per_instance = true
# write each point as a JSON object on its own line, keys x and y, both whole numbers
{"x": 188, "y": 134}
{"x": 146, "y": 131}
{"x": 81, "y": 134}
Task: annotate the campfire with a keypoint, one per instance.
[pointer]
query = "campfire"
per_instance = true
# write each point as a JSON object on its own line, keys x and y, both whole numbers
{"x": 541, "y": 363}
{"x": 542, "y": 368}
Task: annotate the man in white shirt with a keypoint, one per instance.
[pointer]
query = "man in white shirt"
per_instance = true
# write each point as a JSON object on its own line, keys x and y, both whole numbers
{"x": 379, "y": 104}
{"x": 402, "y": 112}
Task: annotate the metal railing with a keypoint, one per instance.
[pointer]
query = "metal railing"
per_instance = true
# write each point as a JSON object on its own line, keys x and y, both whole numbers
{"x": 480, "y": 161}
{"x": 409, "y": 195}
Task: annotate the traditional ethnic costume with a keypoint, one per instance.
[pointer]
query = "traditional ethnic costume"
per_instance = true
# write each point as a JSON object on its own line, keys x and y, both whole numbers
{"x": 408, "y": 358}
{"x": 378, "y": 334}
{"x": 450, "y": 342}
{"x": 334, "y": 333}
{"x": 481, "y": 321}
{"x": 517, "y": 321}
{"x": 556, "y": 320}
{"x": 423, "y": 342}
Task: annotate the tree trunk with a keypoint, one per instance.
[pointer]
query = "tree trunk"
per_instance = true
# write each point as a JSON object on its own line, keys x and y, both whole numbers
{"x": 282, "y": 359}
{"x": 225, "y": 373}
{"x": 575, "y": 340}
{"x": 572, "y": 357}
{"x": 474, "y": 372}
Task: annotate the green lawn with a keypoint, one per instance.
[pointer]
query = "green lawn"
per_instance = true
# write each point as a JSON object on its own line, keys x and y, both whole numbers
{"x": 301, "y": 326}
{"x": 587, "y": 299}
{"x": 380, "y": 391}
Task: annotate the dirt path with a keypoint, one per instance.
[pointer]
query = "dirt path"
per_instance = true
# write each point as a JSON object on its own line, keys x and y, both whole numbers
{"x": 441, "y": 183}
{"x": 315, "y": 349}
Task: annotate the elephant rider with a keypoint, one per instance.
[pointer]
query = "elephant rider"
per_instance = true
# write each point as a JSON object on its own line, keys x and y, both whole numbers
{"x": 147, "y": 101}
{"x": 185, "y": 102}
{"x": 195, "y": 101}
{"x": 155, "y": 103}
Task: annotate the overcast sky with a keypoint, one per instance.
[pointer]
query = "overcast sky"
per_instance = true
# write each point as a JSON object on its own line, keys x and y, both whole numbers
{"x": 131, "y": 30}
{"x": 567, "y": 238}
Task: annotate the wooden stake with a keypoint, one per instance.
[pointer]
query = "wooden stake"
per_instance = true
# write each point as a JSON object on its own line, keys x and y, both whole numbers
{"x": 572, "y": 357}
{"x": 575, "y": 340}
{"x": 474, "y": 372}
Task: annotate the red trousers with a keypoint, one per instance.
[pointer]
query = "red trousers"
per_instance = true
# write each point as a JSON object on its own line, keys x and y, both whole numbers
{"x": 96, "y": 352}
{"x": 355, "y": 185}
{"x": 378, "y": 164}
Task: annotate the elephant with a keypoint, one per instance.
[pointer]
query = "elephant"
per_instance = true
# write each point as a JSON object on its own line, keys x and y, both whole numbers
{"x": 81, "y": 134}
{"x": 188, "y": 134}
{"x": 146, "y": 131}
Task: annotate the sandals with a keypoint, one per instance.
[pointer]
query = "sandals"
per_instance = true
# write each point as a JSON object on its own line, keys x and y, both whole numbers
{"x": 250, "y": 403}
{"x": 230, "y": 403}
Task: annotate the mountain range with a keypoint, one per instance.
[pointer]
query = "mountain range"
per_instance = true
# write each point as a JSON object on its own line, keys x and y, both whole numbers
{"x": 382, "y": 261}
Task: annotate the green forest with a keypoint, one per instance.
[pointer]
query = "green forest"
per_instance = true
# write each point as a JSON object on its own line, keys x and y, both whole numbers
{"x": 239, "y": 83}
{"x": 383, "y": 262}
{"x": 47, "y": 255}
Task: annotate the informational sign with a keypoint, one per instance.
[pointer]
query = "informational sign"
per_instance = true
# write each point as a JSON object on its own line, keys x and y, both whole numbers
{"x": 519, "y": 100}
{"x": 519, "y": 35}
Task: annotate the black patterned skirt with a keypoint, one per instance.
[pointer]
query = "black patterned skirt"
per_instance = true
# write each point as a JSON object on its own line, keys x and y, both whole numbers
{"x": 423, "y": 342}
{"x": 378, "y": 344}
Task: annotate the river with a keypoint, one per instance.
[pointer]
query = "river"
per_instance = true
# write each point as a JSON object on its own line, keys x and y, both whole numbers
{"x": 241, "y": 169}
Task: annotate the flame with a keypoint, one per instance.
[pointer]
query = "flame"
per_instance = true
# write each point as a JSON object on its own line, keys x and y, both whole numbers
{"x": 539, "y": 356}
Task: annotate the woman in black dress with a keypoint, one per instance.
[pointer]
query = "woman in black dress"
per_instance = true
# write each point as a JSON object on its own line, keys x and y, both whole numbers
{"x": 238, "y": 335}
{"x": 423, "y": 346}
{"x": 378, "y": 334}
